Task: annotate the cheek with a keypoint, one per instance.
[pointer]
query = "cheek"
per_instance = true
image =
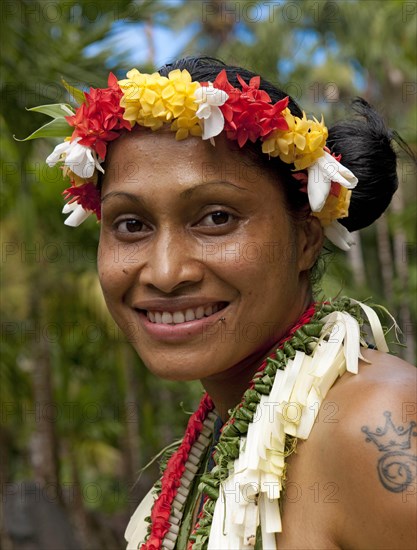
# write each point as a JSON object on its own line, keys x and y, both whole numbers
{"x": 263, "y": 256}
{"x": 259, "y": 266}
{"x": 113, "y": 274}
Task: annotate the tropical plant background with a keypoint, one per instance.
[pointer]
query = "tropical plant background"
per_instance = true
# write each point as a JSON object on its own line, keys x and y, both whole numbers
{"x": 80, "y": 415}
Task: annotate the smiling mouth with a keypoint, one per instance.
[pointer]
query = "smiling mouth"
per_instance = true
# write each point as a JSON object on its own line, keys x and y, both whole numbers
{"x": 183, "y": 316}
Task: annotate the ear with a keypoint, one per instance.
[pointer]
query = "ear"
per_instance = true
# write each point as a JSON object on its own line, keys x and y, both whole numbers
{"x": 310, "y": 242}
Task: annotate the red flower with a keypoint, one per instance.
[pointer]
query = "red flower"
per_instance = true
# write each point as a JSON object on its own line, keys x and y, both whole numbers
{"x": 273, "y": 118}
{"x": 87, "y": 195}
{"x": 100, "y": 119}
{"x": 252, "y": 90}
{"x": 337, "y": 157}
{"x": 249, "y": 113}
{"x": 335, "y": 188}
{"x": 222, "y": 82}
{"x": 161, "y": 509}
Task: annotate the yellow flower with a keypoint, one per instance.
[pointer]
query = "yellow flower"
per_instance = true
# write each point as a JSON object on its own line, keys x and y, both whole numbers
{"x": 302, "y": 144}
{"x": 336, "y": 205}
{"x": 185, "y": 125}
{"x": 152, "y": 100}
{"x": 142, "y": 98}
{"x": 181, "y": 96}
{"x": 77, "y": 180}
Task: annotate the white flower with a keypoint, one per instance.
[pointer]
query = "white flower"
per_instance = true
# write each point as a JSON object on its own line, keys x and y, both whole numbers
{"x": 210, "y": 99}
{"x": 320, "y": 175}
{"x": 78, "y": 214}
{"x": 80, "y": 159}
{"x": 339, "y": 235}
{"x": 57, "y": 153}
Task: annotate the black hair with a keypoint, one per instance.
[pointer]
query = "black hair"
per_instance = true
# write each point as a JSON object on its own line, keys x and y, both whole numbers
{"x": 364, "y": 142}
{"x": 365, "y": 145}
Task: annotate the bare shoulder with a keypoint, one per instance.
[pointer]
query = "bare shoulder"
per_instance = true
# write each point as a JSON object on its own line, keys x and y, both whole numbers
{"x": 385, "y": 385}
{"x": 373, "y": 454}
{"x": 385, "y": 378}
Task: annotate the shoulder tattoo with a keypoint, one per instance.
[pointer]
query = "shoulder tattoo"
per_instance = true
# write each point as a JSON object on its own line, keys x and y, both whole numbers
{"x": 397, "y": 467}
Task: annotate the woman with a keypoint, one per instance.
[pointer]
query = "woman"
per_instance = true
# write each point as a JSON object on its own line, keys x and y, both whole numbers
{"x": 207, "y": 250}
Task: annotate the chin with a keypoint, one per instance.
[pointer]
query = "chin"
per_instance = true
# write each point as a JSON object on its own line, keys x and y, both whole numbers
{"x": 173, "y": 372}
{"x": 177, "y": 368}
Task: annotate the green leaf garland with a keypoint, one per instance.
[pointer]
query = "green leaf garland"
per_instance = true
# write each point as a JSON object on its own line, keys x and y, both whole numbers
{"x": 227, "y": 448}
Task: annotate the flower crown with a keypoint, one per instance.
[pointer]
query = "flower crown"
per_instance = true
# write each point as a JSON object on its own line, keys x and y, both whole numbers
{"x": 202, "y": 109}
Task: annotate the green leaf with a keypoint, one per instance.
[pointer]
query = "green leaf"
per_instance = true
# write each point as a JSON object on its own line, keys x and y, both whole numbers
{"x": 77, "y": 94}
{"x": 58, "y": 127}
{"x": 56, "y": 110}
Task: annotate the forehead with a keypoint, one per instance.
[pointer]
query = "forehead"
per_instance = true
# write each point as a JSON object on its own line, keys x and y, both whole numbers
{"x": 148, "y": 157}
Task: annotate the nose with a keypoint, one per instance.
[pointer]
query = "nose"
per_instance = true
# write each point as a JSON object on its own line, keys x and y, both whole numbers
{"x": 171, "y": 263}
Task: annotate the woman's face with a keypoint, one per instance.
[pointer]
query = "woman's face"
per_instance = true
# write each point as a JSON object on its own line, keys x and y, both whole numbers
{"x": 199, "y": 261}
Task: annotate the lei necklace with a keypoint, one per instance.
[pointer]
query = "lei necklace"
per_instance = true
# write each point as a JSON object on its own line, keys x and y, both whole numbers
{"x": 193, "y": 109}
{"x": 242, "y": 492}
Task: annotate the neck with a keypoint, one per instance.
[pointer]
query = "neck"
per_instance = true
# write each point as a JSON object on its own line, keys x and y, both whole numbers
{"x": 226, "y": 388}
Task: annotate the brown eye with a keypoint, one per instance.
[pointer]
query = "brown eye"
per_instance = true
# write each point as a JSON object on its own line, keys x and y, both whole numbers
{"x": 134, "y": 225}
{"x": 220, "y": 217}
{"x": 130, "y": 226}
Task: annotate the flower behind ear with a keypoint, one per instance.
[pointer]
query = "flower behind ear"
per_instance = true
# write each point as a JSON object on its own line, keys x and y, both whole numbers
{"x": 339, "y": 236}
{"x": 78, "y": 158}
{"x": 320, "y": 176}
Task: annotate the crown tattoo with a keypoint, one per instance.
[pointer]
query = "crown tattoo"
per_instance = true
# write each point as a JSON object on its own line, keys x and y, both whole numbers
{"x": 391, "y": 438}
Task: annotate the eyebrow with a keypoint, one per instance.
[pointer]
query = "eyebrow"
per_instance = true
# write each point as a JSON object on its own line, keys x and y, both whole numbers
{"x": 130, "y": 196}
{"x": 189, "y": 192}
{"x": 184, "y": 194}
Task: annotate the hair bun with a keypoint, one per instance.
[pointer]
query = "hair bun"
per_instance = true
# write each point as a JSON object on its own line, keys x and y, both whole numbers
{"x": 365, "y": 145}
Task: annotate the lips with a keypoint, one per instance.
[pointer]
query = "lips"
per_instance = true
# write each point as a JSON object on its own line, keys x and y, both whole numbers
{"x": 182, "y": 315}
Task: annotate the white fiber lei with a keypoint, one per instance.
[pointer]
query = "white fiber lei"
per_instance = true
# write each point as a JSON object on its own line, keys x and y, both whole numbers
{"x": 249, "y": 497}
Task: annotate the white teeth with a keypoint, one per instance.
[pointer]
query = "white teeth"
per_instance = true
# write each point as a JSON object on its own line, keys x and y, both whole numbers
{"x": 166, "y": 318}
{"x": 189, "y": 315}
{"x": 179, "y": 317}
{"x": 199, "y": 312}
